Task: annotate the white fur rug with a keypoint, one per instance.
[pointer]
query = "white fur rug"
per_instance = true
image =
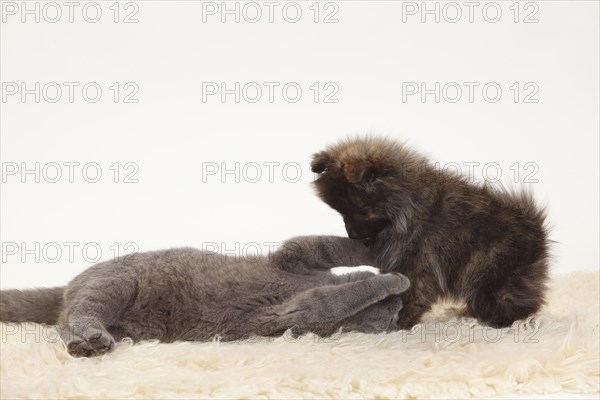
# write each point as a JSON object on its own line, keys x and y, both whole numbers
{"x": 555, "y": 352}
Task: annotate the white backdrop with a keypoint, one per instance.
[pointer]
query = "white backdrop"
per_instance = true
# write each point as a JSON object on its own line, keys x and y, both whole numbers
{"x": 146, "y": 96}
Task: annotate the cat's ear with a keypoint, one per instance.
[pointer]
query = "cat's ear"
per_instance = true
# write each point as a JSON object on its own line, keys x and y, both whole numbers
{"x": 359, "y": 171}
{"x": 320, "y": 162}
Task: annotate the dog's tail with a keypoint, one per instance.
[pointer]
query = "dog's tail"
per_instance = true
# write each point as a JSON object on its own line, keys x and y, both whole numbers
{"x": 33, "y": 305}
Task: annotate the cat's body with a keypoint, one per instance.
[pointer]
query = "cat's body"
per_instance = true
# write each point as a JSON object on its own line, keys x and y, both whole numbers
{"x": 188, "y": 294}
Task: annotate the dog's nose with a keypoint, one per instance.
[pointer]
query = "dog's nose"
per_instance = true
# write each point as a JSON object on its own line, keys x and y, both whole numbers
{"x": 352, "y": 234}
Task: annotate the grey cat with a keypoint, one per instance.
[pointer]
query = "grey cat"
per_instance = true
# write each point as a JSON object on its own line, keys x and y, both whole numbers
{"x": 191, "y": 295}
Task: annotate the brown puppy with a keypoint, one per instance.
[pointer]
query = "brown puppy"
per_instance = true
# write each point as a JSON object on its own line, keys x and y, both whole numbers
{"x": 451, "y": 238}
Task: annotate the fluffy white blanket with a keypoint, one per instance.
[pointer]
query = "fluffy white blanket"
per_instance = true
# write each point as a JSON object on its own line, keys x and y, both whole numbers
{"x": 557, "y": 351}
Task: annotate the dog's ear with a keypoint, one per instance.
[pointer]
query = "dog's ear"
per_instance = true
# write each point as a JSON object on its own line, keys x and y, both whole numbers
{"x": 320, "y": 162}
{"x": 359, "y": 171}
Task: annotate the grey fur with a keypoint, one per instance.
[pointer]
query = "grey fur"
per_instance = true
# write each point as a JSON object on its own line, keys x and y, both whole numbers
{"x": 188, "y": 294}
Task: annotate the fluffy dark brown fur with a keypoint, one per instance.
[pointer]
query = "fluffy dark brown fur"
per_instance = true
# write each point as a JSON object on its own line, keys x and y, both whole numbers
{"x": 451, "y": 238}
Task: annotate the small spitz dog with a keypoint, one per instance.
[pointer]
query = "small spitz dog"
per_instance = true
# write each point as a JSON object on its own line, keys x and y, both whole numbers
{"x": 450, "y": 237}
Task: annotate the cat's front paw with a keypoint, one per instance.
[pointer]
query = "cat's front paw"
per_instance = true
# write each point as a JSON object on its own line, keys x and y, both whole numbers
{"x": 395, "y": 282}
{"x": 90, "y": 344}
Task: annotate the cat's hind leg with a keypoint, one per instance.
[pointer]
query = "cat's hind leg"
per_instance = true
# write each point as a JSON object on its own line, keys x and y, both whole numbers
{"x": 92, "y": 303}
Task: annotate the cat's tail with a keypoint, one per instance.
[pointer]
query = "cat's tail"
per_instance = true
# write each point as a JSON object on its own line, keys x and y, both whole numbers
{"x": 31, "y": 305}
